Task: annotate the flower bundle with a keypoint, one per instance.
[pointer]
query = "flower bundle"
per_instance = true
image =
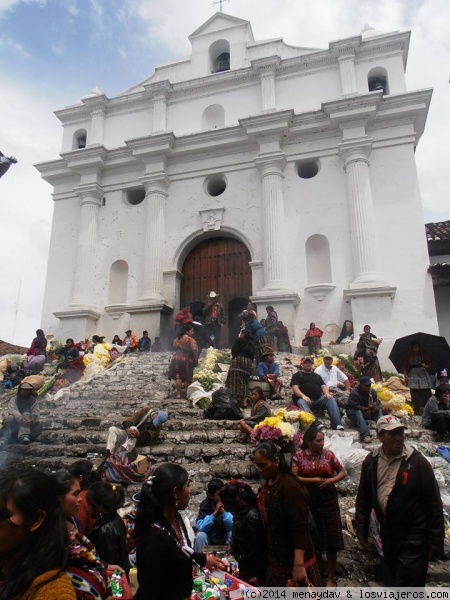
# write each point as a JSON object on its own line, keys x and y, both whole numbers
{"x": 207, "y": 371}
{"x": 393, "y": 403}
{"x": 304, "y": 419}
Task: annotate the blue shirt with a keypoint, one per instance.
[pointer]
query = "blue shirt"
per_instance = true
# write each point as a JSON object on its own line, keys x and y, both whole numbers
{"x": 265, "y": 369}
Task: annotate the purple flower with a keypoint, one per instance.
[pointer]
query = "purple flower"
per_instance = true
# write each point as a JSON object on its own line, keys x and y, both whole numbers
{"x": 265, "y": 434}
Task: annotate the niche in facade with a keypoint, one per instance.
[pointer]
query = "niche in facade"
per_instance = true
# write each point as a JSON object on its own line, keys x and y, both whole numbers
{"x": 79, "y": 139}
{"x": 215, "y": 185}
{"x": 318, "y": 262}
{"x": 307, "y": 169}
{"x": 377, "y": 80}
{"x": 213, "y": 117}
{"x": 134, "y": 196}
{"x": 219, "y": 56}
{"x": 118, "y": 282}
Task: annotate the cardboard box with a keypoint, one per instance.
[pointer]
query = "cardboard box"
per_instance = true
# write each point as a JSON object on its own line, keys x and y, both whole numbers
{"x": 140, "y": 463}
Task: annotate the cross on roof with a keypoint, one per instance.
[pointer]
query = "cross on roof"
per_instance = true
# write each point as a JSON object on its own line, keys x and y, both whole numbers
{"x": 219, "y": 2}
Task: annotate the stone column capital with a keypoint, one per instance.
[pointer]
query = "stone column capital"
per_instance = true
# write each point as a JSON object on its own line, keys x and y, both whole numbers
{"x": 159, "y": 90}
{"x": 157, "y": 183}
{"x": 271, "y": 165}
{"x": 351, "y": 152}
{"x": 266, "y": 66}
{"x": 90, "y": 193}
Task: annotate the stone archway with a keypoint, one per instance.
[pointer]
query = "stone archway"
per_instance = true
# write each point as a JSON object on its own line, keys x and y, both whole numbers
{"x": 222, "y": 265}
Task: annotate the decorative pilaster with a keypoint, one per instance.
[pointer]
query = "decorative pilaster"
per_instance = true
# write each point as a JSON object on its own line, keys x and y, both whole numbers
{"x": 272, "y": 176}
{"x": 362, "y": 219}
{"x": 156, "y": 187}
{"x": 266, "y": 67}
{"x": 160, "y": 92}
{"x": 83, "y": 287}
{"x": 344, "y": 51}
{"x": 348, "y": 75}
{"x": 97, "y": 105}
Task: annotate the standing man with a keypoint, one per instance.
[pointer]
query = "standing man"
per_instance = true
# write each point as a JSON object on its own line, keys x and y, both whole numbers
{"x": 310, "y": 393}
{"x": 399, "y": 484}
{"x": 362, "y": 406}
{"x": 184, "y": 317}
{"x": 214, "y": 315}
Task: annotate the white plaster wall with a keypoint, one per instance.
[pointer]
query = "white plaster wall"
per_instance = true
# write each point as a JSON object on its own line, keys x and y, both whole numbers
{"x": 237, "y": 103}
{"x": 306, "y": 91}
{"x": 127, "y": 125}
{"x": 68, "y": 133}
{"x": 442, "y": 296}
{"x": 61, "y": 262}
{"x": 395, "y": 72}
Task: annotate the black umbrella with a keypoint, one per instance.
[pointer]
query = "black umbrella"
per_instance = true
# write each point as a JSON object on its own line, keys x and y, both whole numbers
{"x": 434, "y": 346}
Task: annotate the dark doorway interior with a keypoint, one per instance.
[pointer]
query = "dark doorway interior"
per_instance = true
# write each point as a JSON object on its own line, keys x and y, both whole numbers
{"x": 220, "y": 265}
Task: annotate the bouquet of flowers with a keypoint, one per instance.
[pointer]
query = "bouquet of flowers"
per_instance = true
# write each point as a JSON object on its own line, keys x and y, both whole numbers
{"x": 207, "y": 372}
{"x": 395, "y": 404}
{"x": 281, "y": 428}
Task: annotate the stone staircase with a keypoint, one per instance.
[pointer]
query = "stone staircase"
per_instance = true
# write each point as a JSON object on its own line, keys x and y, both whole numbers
{"x": 75, "y": 426}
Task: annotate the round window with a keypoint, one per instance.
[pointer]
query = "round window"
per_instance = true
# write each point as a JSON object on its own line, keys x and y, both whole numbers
{"x": 135, "y": 197}
{"x": 215, "y": 185}
{"x": 307, "y": 169}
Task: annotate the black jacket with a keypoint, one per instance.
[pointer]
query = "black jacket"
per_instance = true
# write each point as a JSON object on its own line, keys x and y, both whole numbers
{"x": 414, "y": 508}
{"x": 109, "y": 536}
{"x": 248, "y": 544}
{"x": 164, "y": 569}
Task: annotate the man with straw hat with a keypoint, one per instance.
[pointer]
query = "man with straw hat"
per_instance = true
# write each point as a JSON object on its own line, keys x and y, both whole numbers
{"x": 214, "y": 315}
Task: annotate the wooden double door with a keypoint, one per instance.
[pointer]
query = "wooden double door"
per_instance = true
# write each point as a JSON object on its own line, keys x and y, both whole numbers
{"x": 220, "y": 265}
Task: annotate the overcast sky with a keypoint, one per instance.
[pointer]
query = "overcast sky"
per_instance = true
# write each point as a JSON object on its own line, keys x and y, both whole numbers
{"x": 55, "y": 51}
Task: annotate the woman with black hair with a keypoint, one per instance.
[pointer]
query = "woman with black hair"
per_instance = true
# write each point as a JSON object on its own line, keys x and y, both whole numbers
{"x": 283, "y": 507}
{"x": 184, "y": 360}
{"x": 84, "y": 567}
{"x": 319, "y": 469}
{"x": 248, "y": 541}
{"x": 86, "y": 473}
{"x": 164, "y": 554}
{"x": 109, "y": 534}
{"x": 33, "y": 538}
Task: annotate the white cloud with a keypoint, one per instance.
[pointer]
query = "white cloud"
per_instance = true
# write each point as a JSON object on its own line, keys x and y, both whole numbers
{"x": 8, "y": 45}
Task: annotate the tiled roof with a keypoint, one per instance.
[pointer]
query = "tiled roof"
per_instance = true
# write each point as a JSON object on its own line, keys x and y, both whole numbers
{"x": 7, "y": 348}
{"x": 438, "y": 231}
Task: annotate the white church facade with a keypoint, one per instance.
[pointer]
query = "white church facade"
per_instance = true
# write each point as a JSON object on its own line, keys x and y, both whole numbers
{"x": 251, "y": 168}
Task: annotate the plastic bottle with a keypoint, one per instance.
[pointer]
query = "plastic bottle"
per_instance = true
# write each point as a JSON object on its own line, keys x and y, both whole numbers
{"x": 117, "y": 584}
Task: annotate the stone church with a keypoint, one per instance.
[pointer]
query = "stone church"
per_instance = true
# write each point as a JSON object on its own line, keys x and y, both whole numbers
{"x": 251, "y": 168}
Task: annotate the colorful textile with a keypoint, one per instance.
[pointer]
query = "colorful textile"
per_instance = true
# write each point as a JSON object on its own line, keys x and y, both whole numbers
{"x": 85, "y": 569}
{"x": 313, "y": 337}
{"x": 238, "y": 376}
{"x": 323, "y": 502}
{"x": 117, "y": 469}
{"x": 50, "y": 586}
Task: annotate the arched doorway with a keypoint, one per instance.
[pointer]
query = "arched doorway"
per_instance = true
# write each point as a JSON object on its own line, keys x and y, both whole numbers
{"x": 220, "y": 265}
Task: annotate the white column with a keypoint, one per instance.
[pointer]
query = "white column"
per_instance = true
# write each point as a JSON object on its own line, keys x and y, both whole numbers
{"x": 156, "y": 187}
{"x": 97, "y": 126}
{"x": 273, "y": 224}
{"x": 362, "y": 218}
{"x": 90, "y": 202}
{"x": 348, "y": 75}
{"x": 160, "y": 92}
{"x": 268, "y": 98}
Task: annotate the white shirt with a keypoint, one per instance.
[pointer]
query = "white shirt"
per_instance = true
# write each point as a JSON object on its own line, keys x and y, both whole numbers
{"x": 331, "y": 376}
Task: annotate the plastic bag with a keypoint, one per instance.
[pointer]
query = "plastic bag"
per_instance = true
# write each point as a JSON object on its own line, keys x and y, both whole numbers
{"x": 224, "y": 406}
{"x": 195, "y": 392}
{"x": 350, "y": 453}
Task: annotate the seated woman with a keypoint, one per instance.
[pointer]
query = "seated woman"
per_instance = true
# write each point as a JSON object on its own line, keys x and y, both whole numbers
{"x": 268, "y": 370}
{"x": 347, "y": 334}
{"x": 366, "y": 361}
{"x": 436, "y": 415}
{"x": 242, "y": 354}
{"x": 33, "y": 548}
{"x": 184, "y": 360}
{"x": 271, "y": 326}
{"x": 84, "y": 567}
{"x": 313, "y": 338}
{"x": 318, "y": 470}
{"x": 260, "y": 410}
{"x": 35, "y": 360}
